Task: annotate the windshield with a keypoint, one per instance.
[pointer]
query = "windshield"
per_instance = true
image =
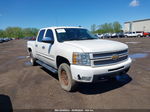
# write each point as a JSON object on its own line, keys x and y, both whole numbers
{"x": 70, "y": 34}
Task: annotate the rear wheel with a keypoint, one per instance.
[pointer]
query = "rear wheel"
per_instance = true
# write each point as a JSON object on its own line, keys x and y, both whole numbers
{"x": 65, "y": 78}
{"x": 32, "y": 60}
{"x": 138, "y": 36}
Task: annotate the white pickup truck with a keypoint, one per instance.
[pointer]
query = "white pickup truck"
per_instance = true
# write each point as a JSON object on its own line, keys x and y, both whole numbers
{"x": 78, "y": 56}
{"x": 134, "y": 34}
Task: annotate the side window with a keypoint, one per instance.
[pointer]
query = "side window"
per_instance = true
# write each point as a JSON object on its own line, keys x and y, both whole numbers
{"x": 49, "y": 33}
{"x": 40, "y": 36}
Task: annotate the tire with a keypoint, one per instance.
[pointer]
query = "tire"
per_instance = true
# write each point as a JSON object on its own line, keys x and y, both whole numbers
{"x": 138, "y": 36}
{"x": 32, "y": 60}
{"x": 65, "y": 78}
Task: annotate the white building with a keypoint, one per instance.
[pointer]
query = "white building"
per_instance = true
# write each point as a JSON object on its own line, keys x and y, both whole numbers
{"x": 138, "y": 25}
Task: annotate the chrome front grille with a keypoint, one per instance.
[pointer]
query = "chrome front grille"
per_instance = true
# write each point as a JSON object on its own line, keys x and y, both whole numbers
{"x": 101, "y": 59}
{"x": 110, "y": 61}
{"x": 101, "y": 55}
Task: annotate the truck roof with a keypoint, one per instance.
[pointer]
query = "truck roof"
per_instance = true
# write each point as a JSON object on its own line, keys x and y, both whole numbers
{"x": 56, "y": 27}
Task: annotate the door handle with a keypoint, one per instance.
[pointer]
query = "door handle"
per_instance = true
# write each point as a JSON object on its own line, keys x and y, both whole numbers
{"x": 43, "y": 47}
{"x": 36, "y": 45}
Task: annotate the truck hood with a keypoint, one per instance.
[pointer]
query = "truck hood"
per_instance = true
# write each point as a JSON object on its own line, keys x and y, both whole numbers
{"x": 98, "y": 45}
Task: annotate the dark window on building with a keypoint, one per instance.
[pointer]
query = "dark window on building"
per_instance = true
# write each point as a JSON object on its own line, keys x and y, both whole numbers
{"x": 130, "y": 26}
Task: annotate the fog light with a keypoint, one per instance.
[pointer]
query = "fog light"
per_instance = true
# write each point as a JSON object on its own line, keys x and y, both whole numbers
{"x": 86, "y": 78}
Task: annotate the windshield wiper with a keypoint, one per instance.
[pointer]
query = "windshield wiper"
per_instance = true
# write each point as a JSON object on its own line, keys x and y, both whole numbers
{"x": 91, "y": 38}
{"x": 88, "y": 38}
{"x": 72, "y": 39}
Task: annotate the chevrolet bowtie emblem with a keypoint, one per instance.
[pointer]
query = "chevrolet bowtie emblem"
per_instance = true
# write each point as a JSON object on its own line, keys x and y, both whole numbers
{"x": 115, "y": 56}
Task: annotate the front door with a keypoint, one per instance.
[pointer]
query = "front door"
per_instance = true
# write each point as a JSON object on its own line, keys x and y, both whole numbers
{"x": 44, "y": 48}
{"x": 46, "y": 53}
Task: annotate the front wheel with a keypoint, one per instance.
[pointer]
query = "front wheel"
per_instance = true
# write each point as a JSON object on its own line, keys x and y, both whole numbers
{"x": 65, "y": 78}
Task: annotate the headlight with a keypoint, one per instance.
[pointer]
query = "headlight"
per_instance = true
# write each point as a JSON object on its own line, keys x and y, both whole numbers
{"x": 81, "y": 59}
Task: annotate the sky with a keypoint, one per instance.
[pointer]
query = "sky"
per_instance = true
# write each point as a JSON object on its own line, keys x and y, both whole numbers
{"x": 45, "y": 13}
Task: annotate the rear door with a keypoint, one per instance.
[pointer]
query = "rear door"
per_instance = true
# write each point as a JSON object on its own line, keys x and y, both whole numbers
{"x": 38, "y": 45}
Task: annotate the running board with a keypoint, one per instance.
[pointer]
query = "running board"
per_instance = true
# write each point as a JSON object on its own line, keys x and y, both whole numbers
{"x": 47, "y": 66}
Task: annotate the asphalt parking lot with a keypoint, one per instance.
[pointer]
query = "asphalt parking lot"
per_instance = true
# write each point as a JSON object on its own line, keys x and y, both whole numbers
{"x": 28, "y": 87}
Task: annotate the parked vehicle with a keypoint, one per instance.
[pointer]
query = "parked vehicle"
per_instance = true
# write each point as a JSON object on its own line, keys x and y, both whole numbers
{"x": 1, "y": 40}
{"x": 120, "y": 34}
{"x": 29, "y": 38}
{"x": 133, "y": 34}
{"x": 5, "y": 39}
{"x": 17, "y": 38}
{"x": 114, "y": 35}
{"x": 78, "y": 56}
{"x": 146, "y": 34}
{"x": 117, "y": 35}
{"x": 107, "y": 35}
{"x": 99, "y": 35}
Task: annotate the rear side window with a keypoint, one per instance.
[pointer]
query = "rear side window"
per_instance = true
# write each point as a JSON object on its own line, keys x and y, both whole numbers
{"x": 49, "y": 33}
{"x": 40, "y": 36}
{"x": 139, "y": 32}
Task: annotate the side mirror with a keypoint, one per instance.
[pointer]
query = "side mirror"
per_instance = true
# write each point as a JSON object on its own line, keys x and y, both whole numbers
{"x": 48, "y": 40}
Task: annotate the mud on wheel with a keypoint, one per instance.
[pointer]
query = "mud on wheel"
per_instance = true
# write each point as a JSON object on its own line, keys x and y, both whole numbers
{"x": 65, "y": 78}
